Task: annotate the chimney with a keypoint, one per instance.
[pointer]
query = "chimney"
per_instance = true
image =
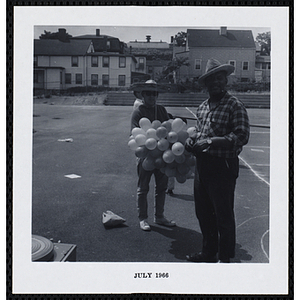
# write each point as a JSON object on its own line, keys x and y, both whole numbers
{"x": 223, "y": 31}
{"x": 148, "y": 38}
{"x": 97, "y": 32}
{"x": 62, "y": 30}
{"x": 62, "y": 35}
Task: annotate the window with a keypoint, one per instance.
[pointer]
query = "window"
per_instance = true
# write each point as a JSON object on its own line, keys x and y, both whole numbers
{"x": 105, "y": 63}
{"x": 60, "y": 77}
{"x": 105, "y": 80}
{"x": 94, "y": 61}
{"x": 233, "y": 63}
{"x": 35, "y": 61}
{"x": 68, "y": 78}
{"x": 94, "y": 79}
{"x": 197, "y": 64}
{"x": 245, "y": 79}
{"x": 122, "y": 62}
{"x": 150, "y": 69}
{"x": 108, "y": 45}
{"x": 141, "y": 63}
{"x": 121, "y": 80}
{"x": 266, "y": 66}
{"x": 245, "y": 65}
{"x": 78, "y": 78}
{"x": 74, "y": 61}
{"x": 35, "y": 77}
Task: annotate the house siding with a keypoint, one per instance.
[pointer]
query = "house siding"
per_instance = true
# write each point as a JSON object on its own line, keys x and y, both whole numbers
{"x": 113, "y": 71}
{"x": 85, "y": 68}
{"x": 224, "y": 55}
{"x": 53, "y": 78}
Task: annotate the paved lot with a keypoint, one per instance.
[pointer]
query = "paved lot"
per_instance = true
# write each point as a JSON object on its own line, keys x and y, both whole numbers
{"x": 70, "y": 210}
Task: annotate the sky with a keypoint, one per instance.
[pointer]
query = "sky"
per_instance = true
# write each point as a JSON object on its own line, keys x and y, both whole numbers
{"x": 128, "y": 33}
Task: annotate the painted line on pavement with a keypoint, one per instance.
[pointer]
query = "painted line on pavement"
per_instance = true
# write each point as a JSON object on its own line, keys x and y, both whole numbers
{"x": 260, "y": 132}
{"x": 251, "y": 219}
{"x": 263, "y": 147}
{"x": 254, "y": 172}
{"x": 257, "y": 150}
{"x": 261, "y": 240}
{"x": 262, "y": 245}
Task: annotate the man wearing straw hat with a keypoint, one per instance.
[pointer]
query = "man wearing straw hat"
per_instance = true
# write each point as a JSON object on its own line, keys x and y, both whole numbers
{"x": 222, "y": 130}
{"x": 152, "y": 111}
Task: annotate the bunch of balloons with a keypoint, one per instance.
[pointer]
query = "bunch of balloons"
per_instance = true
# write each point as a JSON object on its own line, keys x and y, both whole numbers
{"x": 161, "y": 145}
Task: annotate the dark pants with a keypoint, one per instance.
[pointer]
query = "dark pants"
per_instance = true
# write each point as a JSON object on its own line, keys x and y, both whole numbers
{"x": 214, "y": 186}
{"x": 161, "y": 183}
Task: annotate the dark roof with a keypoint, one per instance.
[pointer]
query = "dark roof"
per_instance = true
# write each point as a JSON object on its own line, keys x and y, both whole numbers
{"x": 212, "y": 38}
{"x": 56, "y": 47}
{"x": 92, "y": 37}
{"x": 42, "y": 68}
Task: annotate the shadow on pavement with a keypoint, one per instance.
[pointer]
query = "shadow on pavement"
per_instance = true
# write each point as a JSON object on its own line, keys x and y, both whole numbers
{"x": 116, "y": 226}
{"x": 241, "y": 254}
{"x": 186, "y": 241}
{"x": 183, "y": 197}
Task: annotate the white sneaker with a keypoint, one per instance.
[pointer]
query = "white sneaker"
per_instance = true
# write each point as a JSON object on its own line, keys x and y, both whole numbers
{"x": 144, "y": 225}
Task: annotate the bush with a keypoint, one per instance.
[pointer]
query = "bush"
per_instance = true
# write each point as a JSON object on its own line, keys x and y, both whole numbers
{"x": 244, "y": 87}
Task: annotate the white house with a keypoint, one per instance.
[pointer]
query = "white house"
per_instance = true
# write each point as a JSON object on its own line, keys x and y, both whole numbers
{"x": 234, "y": 47}
{"x": 61, "y": 65}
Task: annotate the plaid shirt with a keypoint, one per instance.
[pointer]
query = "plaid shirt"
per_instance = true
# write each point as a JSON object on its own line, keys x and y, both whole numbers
{"x": 228, "y": 119}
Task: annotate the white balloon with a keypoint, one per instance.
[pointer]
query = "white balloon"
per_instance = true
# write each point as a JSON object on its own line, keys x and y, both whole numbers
{"x": 145, "y": 123}
{"x": 137, "y": 130}
{"x": 140, "y": 139}
{"x": 132, "y": 144}
{"x": 151, "y": 133}
{"x": 177, "y": 148}
{"x": 151, "y": 143}
{"x": 177, "y": 125}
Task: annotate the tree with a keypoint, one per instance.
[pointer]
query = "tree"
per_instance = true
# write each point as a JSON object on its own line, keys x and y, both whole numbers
{"x": 264, "y": 40}
{"x": 172, "y": 67}
{"x": 61, "y": 35}
{"x": 180, "y": 39}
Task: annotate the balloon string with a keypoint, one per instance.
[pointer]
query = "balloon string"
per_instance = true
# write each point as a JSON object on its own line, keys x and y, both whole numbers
{"x": 192, "y": 113}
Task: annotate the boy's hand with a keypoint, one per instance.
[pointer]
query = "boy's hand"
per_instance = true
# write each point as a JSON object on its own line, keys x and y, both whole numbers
{"x": 189, "y": 143}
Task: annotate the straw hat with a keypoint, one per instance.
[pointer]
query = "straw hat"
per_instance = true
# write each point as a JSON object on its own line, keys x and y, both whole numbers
{"x": 149, "y": 85}
{"x": 213, "y": 66}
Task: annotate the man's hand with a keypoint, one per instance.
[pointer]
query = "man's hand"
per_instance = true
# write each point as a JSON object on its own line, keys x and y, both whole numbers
{"x": 189, "y": 143}
{"x": 200, "y": 146}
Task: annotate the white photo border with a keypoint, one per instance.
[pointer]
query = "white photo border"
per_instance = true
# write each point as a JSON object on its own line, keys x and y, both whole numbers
{"x": 86, "y": 278}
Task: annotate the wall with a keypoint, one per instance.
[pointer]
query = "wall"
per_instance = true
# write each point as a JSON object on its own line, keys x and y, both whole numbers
{"x": 113, "y": 71}
{"x": 64, "y": 62}
{"x": 52, "y": 79}
{"x": 223, "y": 55}
{"x": 85, "y": 68}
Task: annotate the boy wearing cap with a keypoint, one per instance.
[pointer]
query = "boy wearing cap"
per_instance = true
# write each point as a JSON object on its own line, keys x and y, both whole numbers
{"x": 222, "y": 130}
{"x": 152, "y": 111}
{"x": 138, "y": 101}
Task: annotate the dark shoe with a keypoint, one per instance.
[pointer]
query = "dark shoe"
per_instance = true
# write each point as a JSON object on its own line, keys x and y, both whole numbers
{"x": 164, "y": 222}
{"x": 170, "y": 192}
{"x": 202, "y": 257}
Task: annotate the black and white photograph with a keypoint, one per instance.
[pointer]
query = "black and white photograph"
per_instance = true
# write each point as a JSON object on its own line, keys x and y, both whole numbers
{"x": 150, "y": 150}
